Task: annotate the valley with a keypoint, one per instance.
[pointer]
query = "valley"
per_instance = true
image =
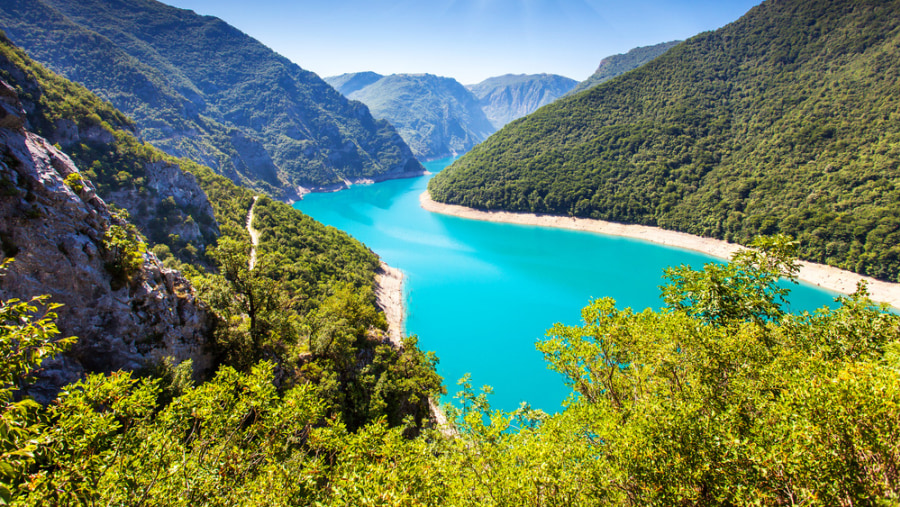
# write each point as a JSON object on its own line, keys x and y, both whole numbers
{"x": 226, "y": 279}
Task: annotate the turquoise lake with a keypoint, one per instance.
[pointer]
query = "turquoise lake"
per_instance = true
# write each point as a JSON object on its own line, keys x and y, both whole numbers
{"x": 480, "y": 294}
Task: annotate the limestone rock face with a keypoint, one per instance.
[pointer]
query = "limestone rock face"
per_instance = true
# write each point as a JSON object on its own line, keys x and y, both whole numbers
{"x": 55, "y": 232}
{"x": 168, "y": 180}
{"x": 506, "y": 98}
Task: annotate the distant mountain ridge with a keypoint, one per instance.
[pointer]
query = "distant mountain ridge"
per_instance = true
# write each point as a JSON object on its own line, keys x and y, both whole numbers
{"x": 200, "y": 88}
{"x": 616, "y": 65}
{"x": 436, "y": 116}
{"x": 785, "y": 121}
{"x": 506, "y": 98}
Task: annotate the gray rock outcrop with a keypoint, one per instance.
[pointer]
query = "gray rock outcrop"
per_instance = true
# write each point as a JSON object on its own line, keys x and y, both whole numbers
{"x": 55, "y": 231}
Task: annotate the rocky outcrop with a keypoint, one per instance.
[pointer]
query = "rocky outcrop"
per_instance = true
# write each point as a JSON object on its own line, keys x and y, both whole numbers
{"x": 166, "y": 180}
{"x": 506, "y": 98}
{"x": 55, "y": 231}
{"x": 163, "y": 201}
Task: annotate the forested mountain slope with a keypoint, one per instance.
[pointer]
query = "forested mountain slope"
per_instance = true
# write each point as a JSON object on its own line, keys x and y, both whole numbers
{"x": 783, "y": 121}
{"x": 616, "y": 65}
{"x": 436, "y": 116}
{"x": 506, "y": 98}
{"x": 308, "y": 304}
{"x": 200, "y": 88}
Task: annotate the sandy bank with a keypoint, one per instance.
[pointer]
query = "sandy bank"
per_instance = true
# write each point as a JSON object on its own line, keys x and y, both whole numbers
{"x": 823, "y": 276}
{"x": 389, "y": 295}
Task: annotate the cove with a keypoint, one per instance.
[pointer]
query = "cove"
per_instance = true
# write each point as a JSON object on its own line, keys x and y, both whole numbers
{"x": 480, "y": 294}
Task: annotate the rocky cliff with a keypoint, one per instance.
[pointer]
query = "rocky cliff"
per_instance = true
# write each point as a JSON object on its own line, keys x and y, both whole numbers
{"x": 506, "y": 98}
{"x": 57, "y": 229}
{"x": 166, "y": 203}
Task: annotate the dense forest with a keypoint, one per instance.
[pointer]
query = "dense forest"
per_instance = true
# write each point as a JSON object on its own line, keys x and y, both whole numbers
{"x": 616, "y": 65}
{"x": 784, "y": 121}
{"x": 201, "y": 89}
{"x": 308, "y": 305}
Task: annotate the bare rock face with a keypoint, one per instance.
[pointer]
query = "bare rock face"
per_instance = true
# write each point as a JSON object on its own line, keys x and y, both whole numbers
{"x": 55, "y": 232}
{"x": 163, "y": 179}
{"x": 167, "y": 180}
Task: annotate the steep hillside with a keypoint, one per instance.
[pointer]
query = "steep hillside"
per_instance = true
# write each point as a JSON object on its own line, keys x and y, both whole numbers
{"x": 506, "y": 98}
{"x": 308, "y": 303}
{"x": 128, "y": 311}
{"x": 783, "y": 121}
{"x": 200, "y": 88}
{"x": 436, "y": 116}
{"x": 615, "y": 65}
{"x": 164, "y": 202}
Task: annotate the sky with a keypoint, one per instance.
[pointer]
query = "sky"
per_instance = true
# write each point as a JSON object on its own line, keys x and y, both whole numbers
{"x": 469, "y": 40}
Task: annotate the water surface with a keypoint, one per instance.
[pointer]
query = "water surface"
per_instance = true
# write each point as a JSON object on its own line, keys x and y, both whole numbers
{"x": 480, "y": 294}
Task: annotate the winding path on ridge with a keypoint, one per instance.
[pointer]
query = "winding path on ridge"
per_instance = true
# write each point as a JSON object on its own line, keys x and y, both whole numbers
{"x": 254, "y": 234}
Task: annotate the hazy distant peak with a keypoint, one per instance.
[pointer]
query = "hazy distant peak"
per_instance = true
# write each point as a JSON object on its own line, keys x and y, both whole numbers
{"x": 511, "y": 96}
{"x": 353, "y": 81}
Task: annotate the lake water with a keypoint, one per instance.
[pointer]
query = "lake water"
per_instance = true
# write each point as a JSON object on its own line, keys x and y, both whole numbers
{"x": 480, "y": 294}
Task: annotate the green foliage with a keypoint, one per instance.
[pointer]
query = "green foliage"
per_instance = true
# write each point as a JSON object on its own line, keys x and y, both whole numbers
{"x": 199, "y": 88}
{"x": 668, "y": 407}
{"x": 28, "y": 334}
{"x": 75, "y": 182}
{"x": 616, "y": 65}
{"x": 781, "y": 122}
{"x": 746, "y": 288}
{"x": 124, "y": 250}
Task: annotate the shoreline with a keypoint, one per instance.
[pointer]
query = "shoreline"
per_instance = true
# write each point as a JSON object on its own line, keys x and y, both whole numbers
{"x": 826, "y": 277}
{"x": 389, "y": 295}
{"x": 301, "y": 191}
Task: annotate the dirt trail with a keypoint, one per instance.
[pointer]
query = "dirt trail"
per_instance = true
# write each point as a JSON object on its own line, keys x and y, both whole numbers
{"x": 254, "y": 234}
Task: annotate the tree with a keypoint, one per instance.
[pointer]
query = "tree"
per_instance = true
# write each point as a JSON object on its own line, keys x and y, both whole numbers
{"x": 28, "y": 335}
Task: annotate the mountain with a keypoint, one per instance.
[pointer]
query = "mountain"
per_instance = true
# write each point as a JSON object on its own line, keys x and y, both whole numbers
{"x": 198, "y": 87}
{"x": 354, "y": 81}
{"x": 783, "y": 121}
{"x": 436, "y": 116}
{"x": 506, "y": 98}
{"x": 128, "y": 310}
{"x": 307, "y": 302}
{"x": 615, "y": 65}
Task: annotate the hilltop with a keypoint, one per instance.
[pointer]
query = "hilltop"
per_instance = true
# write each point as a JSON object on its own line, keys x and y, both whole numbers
{"x": 616, "y": 65}
{"x": 437, "y": 116}
{"x": 783, "y": 121}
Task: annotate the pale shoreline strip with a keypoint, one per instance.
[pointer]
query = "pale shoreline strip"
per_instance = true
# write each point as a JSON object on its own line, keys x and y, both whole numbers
{"x": 826, "y": 277}
{"x": 389, "y": 295}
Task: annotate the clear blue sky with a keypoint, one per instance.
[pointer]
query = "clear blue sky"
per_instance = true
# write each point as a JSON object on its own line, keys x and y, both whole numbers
{"x": 469, "y": 40}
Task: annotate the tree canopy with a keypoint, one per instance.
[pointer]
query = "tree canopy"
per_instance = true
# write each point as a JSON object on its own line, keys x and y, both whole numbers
{"x": 781, "y": 122}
